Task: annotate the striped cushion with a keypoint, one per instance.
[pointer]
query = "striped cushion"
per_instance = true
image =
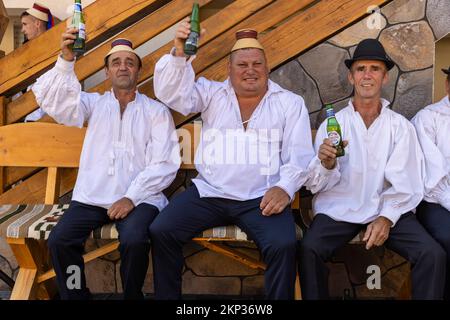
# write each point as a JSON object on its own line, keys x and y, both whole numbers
{"x": 36, "y": 221}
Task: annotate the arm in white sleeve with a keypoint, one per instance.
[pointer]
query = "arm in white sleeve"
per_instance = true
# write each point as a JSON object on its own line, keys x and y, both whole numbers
{"x": 174, "y": 84}
{"x": 437, "y": 184}
{"x": 320, "y": 178}
{"x": 58, "y": 93}
{"x": 162, "y": 159}
{"x": 403, "y": 174}
{"x": 297, "y": 150}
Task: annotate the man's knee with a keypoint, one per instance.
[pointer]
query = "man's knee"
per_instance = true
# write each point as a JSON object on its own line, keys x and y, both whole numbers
{"x": 134, "y": 239}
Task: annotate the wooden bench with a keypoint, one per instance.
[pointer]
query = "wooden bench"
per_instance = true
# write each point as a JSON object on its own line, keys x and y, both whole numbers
{"x": 27, "y": 226}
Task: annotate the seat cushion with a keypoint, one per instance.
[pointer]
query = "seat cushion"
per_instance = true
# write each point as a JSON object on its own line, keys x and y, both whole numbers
{"x": 36, "y": 221}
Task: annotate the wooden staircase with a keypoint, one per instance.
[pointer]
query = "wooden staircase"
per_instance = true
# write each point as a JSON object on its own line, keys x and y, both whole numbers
{"x": 287, "y": 28}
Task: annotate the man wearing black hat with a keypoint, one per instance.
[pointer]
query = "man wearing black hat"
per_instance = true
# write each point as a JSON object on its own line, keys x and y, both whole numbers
{"x": 374, "y": 186}
{"x": 252, "y": 157}
{"x": 433, "y": 130}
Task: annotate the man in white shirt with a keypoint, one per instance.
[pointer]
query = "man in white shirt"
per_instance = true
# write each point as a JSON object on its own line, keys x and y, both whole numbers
{"x": 433, "y": 129}
{"x": 130, "y": 155}
{"x": 254, "y": 150}
{"x": 374, "y": 186}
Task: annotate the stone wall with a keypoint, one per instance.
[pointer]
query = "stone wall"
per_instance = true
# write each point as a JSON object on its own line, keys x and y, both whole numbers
{"x": 408, "y": 29}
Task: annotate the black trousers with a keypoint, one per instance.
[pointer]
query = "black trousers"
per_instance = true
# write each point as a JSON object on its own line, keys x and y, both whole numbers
{"x": 188, "y": 215}
{"x": 67, "y": 239}
{"x": 436, "y": 219}
{"x": 407, "y": 238}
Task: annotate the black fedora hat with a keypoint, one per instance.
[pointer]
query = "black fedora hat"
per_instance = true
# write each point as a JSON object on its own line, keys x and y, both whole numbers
{"x": 370, "y": 49}
{"x": 446, "y": 71}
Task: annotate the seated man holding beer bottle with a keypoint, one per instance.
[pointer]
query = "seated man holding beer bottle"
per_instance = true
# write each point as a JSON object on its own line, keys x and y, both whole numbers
{"x": 373, "y": 184}
{"x": 130, "y": 155}
{"x": 253, "y": 155}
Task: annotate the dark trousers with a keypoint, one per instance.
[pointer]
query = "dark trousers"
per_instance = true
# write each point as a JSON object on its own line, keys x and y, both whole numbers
{"x": 67, "y": 239}
{"x": 436, "y": 219}
{"x": 188, "y": 215}
{"x": 407, "y": 238}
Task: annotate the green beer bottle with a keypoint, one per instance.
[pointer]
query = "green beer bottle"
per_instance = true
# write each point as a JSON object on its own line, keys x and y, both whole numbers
{"x": 191, "y": 44}
{"x": 334, "y": 131}
{"x": 79, "y": 46}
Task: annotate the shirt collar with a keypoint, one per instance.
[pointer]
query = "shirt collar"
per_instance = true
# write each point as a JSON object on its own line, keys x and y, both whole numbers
{"x": 384, "y": 105}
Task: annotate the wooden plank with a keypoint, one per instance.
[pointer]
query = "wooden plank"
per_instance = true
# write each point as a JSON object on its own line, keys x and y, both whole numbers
{"x": 40, "y": 145}
{"x": 32, "y": 190}
{"x": 139, "y": 33}
{"x": 234, "y": 254}
{"x": 24, "y": 285}
{"x": 52, "y": 186}
{"x": 19, "y": 68}
{"x": 15, "y": 174}
{"x": 94, "y": 254}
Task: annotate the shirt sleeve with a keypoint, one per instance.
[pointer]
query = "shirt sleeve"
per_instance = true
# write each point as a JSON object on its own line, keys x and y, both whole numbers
{"x": 162, "y": 160}
{"x": 175, "y": 85}
{"x": 58, "y": 93}
{"x": 321, "y": 179}
{"x": 296, "y": 147}
{"x": 404, "y": 174}
{"x": 437, "y": 180}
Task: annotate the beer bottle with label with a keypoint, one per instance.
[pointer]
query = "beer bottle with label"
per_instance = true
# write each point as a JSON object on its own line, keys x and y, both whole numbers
{"x": 191, "y": 44}
{"x": 334, "y": 131}
{"x": 79, "y": 46}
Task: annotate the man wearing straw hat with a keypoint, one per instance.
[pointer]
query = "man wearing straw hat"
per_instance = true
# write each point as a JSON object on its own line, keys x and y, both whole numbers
{"x": 433, "y": 129}
{"x": 252, "y": 157}
{"x": 35, "y": 21}
{"x": 130, "y": 155}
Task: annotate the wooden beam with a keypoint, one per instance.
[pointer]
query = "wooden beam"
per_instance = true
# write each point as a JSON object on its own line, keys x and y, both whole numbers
{"x": 232, "y": 253}
{"x": 52, "y": 186}
{"x": 15, "y": 174}
{"x": 41, "y": 145}
{"x": 23, "y": 65}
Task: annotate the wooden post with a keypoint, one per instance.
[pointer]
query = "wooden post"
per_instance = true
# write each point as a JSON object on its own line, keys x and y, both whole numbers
{"x": 31, "y": 260}
{"x": 53, "y": 185}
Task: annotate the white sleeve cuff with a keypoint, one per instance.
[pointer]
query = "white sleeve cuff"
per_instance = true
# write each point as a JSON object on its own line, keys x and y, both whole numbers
{"x": 179, "y": 62}
{"x": 64, "y": 65}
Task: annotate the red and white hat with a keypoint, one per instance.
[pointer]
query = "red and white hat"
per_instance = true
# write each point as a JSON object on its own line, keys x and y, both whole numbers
{"x": 121, "y": 44}
{"x": 43, "y": 13}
